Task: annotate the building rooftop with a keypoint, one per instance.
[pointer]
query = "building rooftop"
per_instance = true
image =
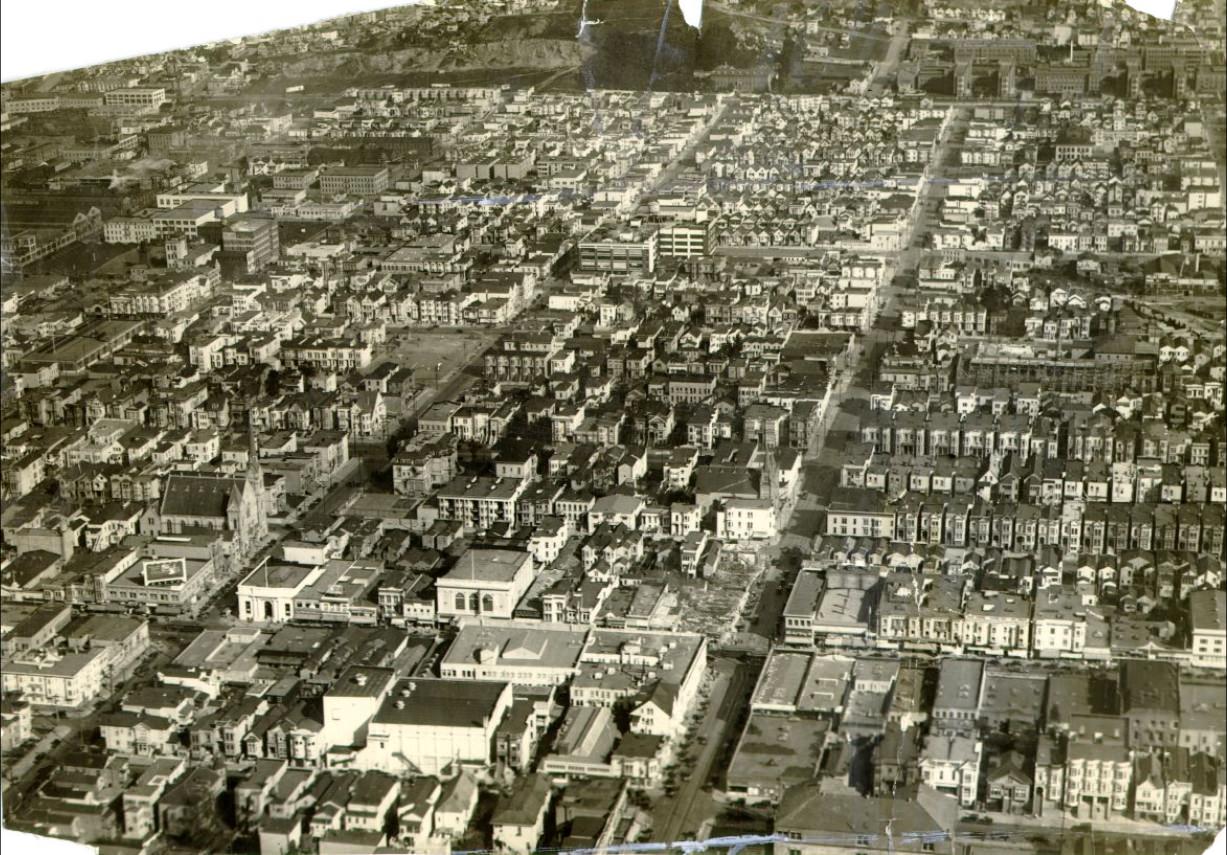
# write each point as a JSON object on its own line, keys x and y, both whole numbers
{"x": 958, "y": 684}
{"x": 803, "y": 682}
{"x": 529, "y": 797}
{"x": 515, "y": 647}
{"x": 488, "y": 565}
{"x": 361, "y": 682}
{"x": 778, "y": 751}
{"x": 1208, "y": 611}
{"x": 430, "y": 702}
{"x": 1018, "y": 697}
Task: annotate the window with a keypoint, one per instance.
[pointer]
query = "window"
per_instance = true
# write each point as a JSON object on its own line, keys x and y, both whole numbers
{"x": 460, "y": 602}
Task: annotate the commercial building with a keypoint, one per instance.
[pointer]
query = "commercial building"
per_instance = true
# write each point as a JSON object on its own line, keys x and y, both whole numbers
{"x": 427, "y": 726}
{"x": 485, "y": 583}
{"x": 253, "y": 239}
{"x": 523, "y": 656}
{"x": 619, "y": 250}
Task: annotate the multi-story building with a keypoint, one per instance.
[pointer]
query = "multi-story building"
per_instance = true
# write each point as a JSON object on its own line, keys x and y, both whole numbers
{"x": 686, "y": 239}
{"x": 951, "y": 764}
{"x": 1150, "y": 703}
{"x": 520, "y": 655}
{"x": 426, "y": 725}
{"x": 143, "y": 97}
{"x": 859, "y": 513}
{"x": 997, "y": 623}
{"x": 619, "y": 250}
{"x": 1208, "y": 628}
{"x": 355, "y": 180}
{"x": 60, "y": 680}
{"x": 1208, "y": 793}
{"x": 1099, "y": 768}
{"x": 1059, "y": 627}
{"x": 957, "y": 702}
{"x": 746, "y": 519}
{"x": 424, "y": 465}
{"x": 254, "y": 239}
{"x": 335, "y": 354}
{"x": 479, "y": 503}
{"x": 922, "y": 612}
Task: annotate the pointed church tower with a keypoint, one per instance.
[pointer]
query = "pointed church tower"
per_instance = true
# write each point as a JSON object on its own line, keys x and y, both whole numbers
{"x": 255, "y": 475}
{"x": 255, "y": 522}
{"x": 769, "y": 479}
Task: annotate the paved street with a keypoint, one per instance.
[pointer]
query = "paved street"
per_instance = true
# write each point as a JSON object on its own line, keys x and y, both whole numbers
{"x": 680, "y": 816}
{"x": 1004, "y": 825}
{"x": 885, "y": 70}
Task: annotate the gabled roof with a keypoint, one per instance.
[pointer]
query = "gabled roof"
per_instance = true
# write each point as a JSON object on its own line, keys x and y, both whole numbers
{"x": 812, "y": 813}
{"x": 200, "y": 495}
{"x": 663, "y": 694}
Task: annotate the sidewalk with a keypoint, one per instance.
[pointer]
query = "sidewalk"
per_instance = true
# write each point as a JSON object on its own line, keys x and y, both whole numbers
{"x": 1065, "y": 823}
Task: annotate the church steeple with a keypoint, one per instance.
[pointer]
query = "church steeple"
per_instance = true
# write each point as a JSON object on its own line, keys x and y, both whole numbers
{"x": 769, "y": 479}
{"x": 255, "y": 475}
{"x": 254, "y": 525}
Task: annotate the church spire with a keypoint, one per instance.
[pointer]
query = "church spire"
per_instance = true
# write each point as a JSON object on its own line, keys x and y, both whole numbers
{"x": 254, "y": 474}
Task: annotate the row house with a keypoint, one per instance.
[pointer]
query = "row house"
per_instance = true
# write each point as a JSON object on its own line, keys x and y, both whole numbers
{"x": 521, "y": 357}
{"x": 921, "y": 612}
{"x": 1072, "y": 526}
{"x": 326, "y": 354}
{"x": 976, "y": 434}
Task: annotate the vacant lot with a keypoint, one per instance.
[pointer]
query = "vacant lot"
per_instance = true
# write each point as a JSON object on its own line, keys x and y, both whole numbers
{"x": 713, "y": 606}
{"x": 450, "y": 349}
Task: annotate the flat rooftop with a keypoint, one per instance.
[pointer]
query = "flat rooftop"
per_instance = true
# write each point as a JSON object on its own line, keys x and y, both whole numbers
{"x": 778, "y": 751}
{"x": 441, "y": 703}
{"x": 516, "y": 647}
{"x": 488, "y": 565}
{"x": 803, "y": 682}
{"x": 958, "y": 684}
{"x": 292, "y": 576}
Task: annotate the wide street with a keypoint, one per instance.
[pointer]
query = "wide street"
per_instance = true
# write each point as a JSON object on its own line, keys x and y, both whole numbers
{"x": 681, "y": 815}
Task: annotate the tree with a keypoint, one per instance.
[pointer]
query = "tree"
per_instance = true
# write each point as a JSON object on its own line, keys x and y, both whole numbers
{"x": 401, "y": 434}
{"x": 272, "y": 382}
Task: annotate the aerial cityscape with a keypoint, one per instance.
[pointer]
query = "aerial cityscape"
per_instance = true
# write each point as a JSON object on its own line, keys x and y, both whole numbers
{"x": 545, "y": 425}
